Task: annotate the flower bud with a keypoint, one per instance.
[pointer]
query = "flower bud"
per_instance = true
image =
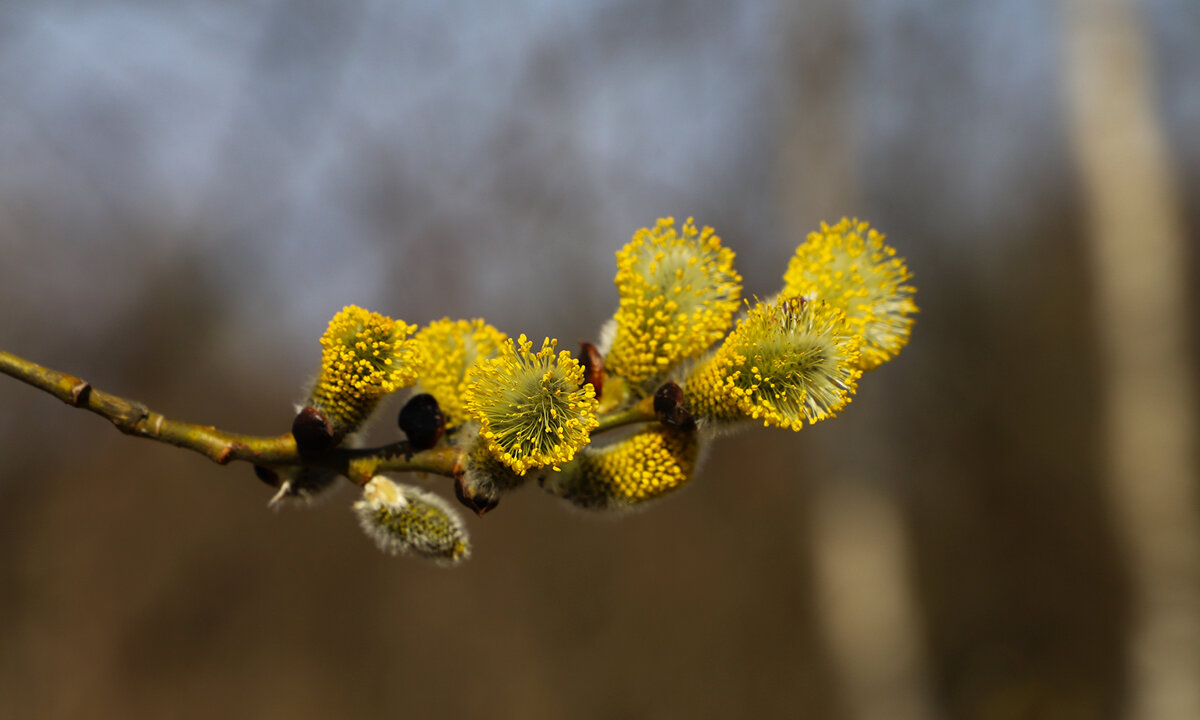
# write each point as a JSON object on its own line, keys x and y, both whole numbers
{"x": 593, "y": 367}
{"x": 670, "y": 408}
{"x": 422, "y": 421}
{"x": 312, "y": 430}
{"x": 406, "y": 520}
{"x": 479, "y": 495}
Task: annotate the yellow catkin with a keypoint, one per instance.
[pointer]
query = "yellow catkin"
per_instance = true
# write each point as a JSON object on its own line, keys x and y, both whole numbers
{"x": 482, "y": 468}
{"x": 850, "y": 266}
{"x": 786, "y": 363}
{"x": 364, "y": 357}
{"x": 678, "y": 293}
{"x": 642, "y": 467}
{"x": 447, "y": 348}
{"x": 533, "y": 408}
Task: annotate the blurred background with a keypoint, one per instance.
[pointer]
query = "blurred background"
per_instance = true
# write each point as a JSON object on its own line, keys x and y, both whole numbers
{"x": 1002, "y": 524}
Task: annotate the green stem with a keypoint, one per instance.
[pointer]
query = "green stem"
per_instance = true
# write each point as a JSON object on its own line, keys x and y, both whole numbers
{"x": 642, "y": 411}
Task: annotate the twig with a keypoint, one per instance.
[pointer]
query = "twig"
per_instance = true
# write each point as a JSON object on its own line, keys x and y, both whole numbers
{"x": 222, "y": 447}
{"x": 134, "y": 418}
{"x": 642, "y": 411}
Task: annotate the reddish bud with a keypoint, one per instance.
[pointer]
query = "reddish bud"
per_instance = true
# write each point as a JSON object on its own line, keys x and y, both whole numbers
{"x": 670, "y": 408}
{"x": 593, "y": 366}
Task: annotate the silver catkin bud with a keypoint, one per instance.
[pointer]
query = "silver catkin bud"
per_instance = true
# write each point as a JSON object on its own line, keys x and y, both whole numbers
{"x": 408, "y": 520}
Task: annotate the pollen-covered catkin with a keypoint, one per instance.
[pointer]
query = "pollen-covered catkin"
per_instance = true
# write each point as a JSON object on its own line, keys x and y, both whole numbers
{"x": 788, "y": 362}
{"x": 678, "y": 293}
{"x": 643, "y": 467}
{"x": 533, "y": 408}
{"x": 849, "y": 266}
{"x": 364, "y": 357}
{"x": 447, "y": 348}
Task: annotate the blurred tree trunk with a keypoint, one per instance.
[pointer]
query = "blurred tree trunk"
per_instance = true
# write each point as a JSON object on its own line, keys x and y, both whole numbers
{"x": 1138, "y": 261}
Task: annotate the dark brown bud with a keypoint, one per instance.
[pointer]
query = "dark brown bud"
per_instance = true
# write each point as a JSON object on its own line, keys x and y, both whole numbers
{"x": 670, "y": 408}
{"x": 479, "y": 500}
{"x": 267, "y": 475}
{"x": 422, "y": 421}
{"x": 80, "y": 393}
{"x": 593, "y": 366}
{"x": 312, "y": 430}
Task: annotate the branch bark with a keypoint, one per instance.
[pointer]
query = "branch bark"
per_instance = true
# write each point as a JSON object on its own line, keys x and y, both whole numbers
{"x": 222, "y": 447}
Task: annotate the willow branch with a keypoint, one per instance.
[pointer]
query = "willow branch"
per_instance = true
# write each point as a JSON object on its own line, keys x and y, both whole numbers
{"x": 222, "y": 447}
